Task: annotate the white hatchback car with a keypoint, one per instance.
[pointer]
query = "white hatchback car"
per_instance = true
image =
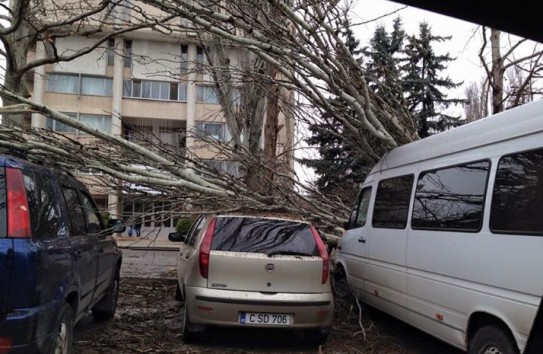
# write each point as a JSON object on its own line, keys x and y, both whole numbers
{"x": 253, "y": 271}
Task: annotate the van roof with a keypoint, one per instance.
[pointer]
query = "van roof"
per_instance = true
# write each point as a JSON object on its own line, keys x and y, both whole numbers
{"x": 516, "y": 122}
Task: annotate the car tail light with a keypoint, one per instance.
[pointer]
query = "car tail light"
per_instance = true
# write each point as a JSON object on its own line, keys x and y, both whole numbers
{"x": 18, "y": 213}
{"x": 5, "y": 345}
{"x": 323, "y": 253}
{"x": 205, "y": 248}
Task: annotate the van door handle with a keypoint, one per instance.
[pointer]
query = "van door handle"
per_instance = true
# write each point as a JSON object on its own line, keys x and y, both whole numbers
{"x": 362, "y": 239}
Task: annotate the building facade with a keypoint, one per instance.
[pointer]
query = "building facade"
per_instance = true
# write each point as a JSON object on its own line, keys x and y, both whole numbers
{"x": 142, "y": 87}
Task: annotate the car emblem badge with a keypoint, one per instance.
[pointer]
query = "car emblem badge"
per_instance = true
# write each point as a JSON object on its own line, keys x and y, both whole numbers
{"x": 270, "y": 267}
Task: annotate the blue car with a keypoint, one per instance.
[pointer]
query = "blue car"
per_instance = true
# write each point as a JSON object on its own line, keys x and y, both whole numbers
{"x": 58, "y": 261}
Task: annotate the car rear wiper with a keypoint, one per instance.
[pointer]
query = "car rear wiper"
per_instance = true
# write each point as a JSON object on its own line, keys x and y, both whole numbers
{"x": 289, "y": 253}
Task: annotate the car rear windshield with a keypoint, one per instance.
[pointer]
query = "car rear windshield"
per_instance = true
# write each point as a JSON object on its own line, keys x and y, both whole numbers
{"x": 3, "y": 207}
{"x": 238, "y": 234}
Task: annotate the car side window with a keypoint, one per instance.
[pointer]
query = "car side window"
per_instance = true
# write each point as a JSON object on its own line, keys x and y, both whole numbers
{"x": 43, "y": 204}
{"x": 362, "y": 208}
{"x": 194, "y": 230}
{"x": 77, "y": 219}
{"x": 91, "y": 213}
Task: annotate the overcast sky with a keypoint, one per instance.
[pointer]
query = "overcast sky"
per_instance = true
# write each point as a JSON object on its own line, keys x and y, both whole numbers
{"x": 464, "y": 44}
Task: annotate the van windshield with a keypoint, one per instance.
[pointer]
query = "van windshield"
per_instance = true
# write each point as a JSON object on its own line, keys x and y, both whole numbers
{"x": 272, "y": 237}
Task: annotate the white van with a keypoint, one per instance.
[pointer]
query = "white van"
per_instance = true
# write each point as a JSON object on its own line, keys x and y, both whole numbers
{"x": 447, "y": 233}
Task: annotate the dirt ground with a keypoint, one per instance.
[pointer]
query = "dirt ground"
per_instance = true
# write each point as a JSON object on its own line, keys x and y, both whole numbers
{"x": 149, "y": 319}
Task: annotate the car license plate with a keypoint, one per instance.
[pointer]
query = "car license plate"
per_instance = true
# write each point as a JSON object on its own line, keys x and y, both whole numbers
{"x": 281, "y": 319}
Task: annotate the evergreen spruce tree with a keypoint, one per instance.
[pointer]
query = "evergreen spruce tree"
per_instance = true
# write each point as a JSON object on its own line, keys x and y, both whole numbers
{"x": 423, "y": 85}
{"x": 383, "y": 64}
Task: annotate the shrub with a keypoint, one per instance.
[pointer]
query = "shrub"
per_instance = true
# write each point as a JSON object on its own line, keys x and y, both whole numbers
{"x": 183, "y": 225}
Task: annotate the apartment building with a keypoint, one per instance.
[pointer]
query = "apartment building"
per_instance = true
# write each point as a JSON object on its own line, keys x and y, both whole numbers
{"x": 141, "y": 87}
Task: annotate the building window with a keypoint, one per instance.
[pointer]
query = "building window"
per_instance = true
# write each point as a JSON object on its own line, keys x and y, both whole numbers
{"x": 80, "y": 84}
{"x": 127, "y": 54}
{"x": 451, "y": 198}
{"x": 517, "y": 199}
{"x": 155, "y": 90}
{"x": 184, "y": 59}
{"x": 60, "y": 127}
{"x": 96, "y": 86}
{"x": 392, "y": 202}
{"x": 100, "y": 122}
{"x": 110, "y": 52}
{"x": 63, "y": 83}
{"x": 155, "y": 214}
{"x": 212, "y": 130}
{"x": 231, "y": 168}
{"x": 206, "y": 94}
{"x": 200, "y": 59}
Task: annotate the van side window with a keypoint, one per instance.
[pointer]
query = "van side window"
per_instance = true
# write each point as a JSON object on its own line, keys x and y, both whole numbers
{"x": 43, "y": 205}
{"x": 392, "y": 202}
{"x": 517, "y": 198}
{"x": 362, "y": 208}
{"x": 451, "y": 198}
{"x": 77, "y": 220}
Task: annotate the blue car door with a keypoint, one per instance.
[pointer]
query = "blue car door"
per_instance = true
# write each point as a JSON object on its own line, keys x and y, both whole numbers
{"x": 83, "y": 247}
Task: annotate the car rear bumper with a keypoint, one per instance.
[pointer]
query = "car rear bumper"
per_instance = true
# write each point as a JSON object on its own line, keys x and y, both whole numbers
{"x": 30, "y": 330}
{"x": 223, "y": 307}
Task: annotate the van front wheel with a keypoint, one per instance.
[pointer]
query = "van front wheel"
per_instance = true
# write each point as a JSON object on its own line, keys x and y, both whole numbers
{"x": 492, "y": 339}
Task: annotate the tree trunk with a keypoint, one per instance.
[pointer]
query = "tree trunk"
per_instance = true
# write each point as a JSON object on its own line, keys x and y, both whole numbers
{"x": 497, "y": 72}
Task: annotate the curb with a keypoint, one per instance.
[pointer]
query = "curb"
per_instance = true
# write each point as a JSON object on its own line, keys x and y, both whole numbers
{"x": 149, "y": 248}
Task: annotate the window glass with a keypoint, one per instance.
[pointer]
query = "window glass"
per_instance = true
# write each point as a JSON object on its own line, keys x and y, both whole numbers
{"x": 517, "y": 199}
{"x": 102, "y": 123}
{"x": 127, "y": 54}
{"x": 392, "y": 202}
{"x": 155, "y": 90}
{"x": 206, "y": 94}
{"x": 43, "y": 206}
{"x": 136, "y": 88}
{"x": 146, "y": 89}
{"x": 184, "y": 59}
{"x": 94, "y": 224}
{"x": 75, "y": 211}
{"x": 210, "y": 130}
{"x": 182, "y": 93}
{"x": 451, "y": 198}
{"x": 110, "y": 52}
{"x": 362, "y": 208}
{"x": 173, "y": 92}
{"x": 194, "y": 230}
{"x": 59, "y": 126}
{"x": 267, "y": 236}
{"x": 165, "y": 91}
{"x": 98, "y": 86}
{"x": 62, "y": 83}
{"x": 3, "y": 206}
{"x": 127, "y": 88}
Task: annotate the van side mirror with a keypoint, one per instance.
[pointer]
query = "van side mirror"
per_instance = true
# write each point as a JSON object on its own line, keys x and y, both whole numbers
{"x": 347, "y": 225}
{"x": 176, "y": 237}
{"x": 116, "y": 225}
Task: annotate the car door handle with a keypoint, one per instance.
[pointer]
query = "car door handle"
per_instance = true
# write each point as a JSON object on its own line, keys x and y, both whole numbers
{"x": 362, "y": 239}
{"x": 78, "y": 254}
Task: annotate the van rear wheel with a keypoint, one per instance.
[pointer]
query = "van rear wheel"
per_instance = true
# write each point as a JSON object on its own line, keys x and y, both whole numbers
{"x": 492, "y": 339}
